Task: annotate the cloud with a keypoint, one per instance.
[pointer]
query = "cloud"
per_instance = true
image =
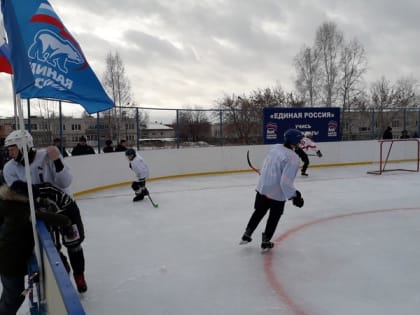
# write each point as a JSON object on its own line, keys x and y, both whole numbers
{"x": 184, "y": 52}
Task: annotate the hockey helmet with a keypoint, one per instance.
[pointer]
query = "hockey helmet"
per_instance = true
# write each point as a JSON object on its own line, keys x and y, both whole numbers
{"x": 19, "y": 138}
{"x": 130, "y": 153}
{"x": 293, "y": 136}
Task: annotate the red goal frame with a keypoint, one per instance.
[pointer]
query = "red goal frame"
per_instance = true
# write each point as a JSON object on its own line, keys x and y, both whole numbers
{"x": 383, "y": 161}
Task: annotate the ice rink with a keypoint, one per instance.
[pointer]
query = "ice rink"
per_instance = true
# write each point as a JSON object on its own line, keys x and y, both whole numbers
{"x": 352, "y": 249}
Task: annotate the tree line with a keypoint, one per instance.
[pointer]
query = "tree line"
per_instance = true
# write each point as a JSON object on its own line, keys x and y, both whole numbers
{"x": 329, "y": 72}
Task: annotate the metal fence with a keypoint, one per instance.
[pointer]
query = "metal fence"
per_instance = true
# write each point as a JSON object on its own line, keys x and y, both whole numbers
{"x": 145, "y": 128}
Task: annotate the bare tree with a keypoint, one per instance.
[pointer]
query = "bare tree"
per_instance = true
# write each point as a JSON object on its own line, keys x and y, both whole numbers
{"x": 117, "y": 84}
{"x": 267, "y": 98}
{"x": 383, "y": 97}
{"x": 194, "y": 125}
{"x": 405, "y": 90}
{"x": 353, "y": 64}
{"x": 328, "y": 44}
{"x": 306, "y": 63}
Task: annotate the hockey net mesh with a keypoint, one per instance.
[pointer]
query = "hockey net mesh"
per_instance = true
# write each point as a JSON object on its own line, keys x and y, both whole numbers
{"x": 398, "y": 155}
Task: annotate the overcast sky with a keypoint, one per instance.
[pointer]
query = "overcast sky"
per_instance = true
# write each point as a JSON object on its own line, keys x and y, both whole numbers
{"x": 180, "y": 53}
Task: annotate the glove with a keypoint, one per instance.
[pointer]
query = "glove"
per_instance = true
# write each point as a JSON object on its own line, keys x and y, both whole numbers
{"x": 21, "y": 188}
{"x": 53, "y": 153}
{"x": 298, "y": 200}
{"x": 53, "y": 219}
{"x": 319, "y": 153}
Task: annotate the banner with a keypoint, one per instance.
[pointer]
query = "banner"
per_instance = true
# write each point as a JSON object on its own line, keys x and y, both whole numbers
{"x": 323, "y": 122}
{"x": 46, "y": 59}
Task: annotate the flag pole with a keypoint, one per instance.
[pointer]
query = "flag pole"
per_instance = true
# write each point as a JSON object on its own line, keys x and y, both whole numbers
{"x": 29, "y": 182}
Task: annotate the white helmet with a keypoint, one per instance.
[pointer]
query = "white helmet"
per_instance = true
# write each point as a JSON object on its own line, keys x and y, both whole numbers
{"x": 19, "y": 138}
{"x": 308, "y": 134}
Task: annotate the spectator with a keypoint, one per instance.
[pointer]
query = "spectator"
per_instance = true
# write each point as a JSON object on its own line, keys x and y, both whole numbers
{"x": 82, "y": 148}
{"x": 62, "y": 149}
{"x": 17, "y": 244}
{"x": 388, "y": 133}
{"x": 108, "y": 146}
{"x": 404, "y": 134}
{"x": 121, "y": 147}
{"x": 3, "y": 154}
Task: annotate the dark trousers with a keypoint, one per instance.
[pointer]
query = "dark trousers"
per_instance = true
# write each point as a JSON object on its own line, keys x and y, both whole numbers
{"x": 11, "y": 296}
{"x": 73, "y": 244}
{"x": 304, "y": 157}
{"x": 262, "y": 205}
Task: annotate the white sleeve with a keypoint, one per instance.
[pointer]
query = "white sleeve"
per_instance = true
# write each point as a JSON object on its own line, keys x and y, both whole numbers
{"x": 309, "y": 145}
{"x": 140, "y": 168}
{"x": 10, "y": 173}
{"x": 288, "y": 177}
{"x": 63, "y": 178}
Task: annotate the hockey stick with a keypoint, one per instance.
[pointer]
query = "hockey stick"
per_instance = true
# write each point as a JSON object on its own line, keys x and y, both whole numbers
{"x": 152, "y": 202}
{"x": 250, "y": 164}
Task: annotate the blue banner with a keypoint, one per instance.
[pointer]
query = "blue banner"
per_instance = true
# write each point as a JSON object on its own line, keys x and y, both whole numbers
{"x": 47, "y": 61}
{"x": 323, "y": 122}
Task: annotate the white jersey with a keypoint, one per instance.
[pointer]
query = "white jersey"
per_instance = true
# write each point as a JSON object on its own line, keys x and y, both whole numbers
{"x": 42, "y": 169}
{"x": 308, "y": 145}
{"x": 278, "y": 173}
{"x": 139, "y": 167}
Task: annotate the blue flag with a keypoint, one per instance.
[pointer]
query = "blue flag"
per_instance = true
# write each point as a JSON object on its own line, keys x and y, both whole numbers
{"x": 47, "y": 61}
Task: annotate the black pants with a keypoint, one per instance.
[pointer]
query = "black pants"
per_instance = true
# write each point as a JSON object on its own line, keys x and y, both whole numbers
{"x": 11, "y": 296}
{"x": 73, "y": 244}
{"x": 304, "y": 157}
{"x": 262, "y": 205}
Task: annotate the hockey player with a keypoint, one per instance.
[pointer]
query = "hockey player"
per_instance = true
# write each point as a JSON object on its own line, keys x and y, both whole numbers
{"x": 57, "y": 201}
{"x": 307, "y": 145}
{"x": 275, "y": 187}
{"x": 46, "y": 166}
{"x": 140, "y": 168}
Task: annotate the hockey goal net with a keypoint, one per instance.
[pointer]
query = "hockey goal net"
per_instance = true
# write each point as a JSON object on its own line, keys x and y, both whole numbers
{"x": 398, "y": 155}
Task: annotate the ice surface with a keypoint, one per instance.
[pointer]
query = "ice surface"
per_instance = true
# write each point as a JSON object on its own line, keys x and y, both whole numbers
{"x": 352, "y": 249}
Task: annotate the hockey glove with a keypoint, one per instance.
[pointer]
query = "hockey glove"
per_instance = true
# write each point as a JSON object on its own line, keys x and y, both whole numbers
{"x": 319, "y": 153}
{"x": 298, "y": 200}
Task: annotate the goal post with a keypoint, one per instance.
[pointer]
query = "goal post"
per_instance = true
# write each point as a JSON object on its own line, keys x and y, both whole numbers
{"x": 393, "y": 151}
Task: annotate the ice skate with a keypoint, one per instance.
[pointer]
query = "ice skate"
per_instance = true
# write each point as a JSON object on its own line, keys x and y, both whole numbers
{"x": 266, "y": 244}
{"x": 138, "y": 197}
{"x": 246, "y": 238}
{"x": 80, "y": 282}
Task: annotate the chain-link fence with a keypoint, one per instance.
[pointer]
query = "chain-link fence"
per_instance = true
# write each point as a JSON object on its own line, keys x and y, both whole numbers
{"x": 371, "y": 123}
{"x": 146, "y": 128}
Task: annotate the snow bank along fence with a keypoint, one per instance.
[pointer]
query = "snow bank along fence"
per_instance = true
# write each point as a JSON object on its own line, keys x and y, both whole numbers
{"x": 101, "y": 171}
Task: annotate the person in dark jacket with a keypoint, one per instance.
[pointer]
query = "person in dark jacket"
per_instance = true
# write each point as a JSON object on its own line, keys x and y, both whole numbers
{"x": 82, "y": 148}
{"x": 121, "y": 147}
{"x": 404, "y": 134}
{"x": 387, "y": 133}
{"x": 17, "y": 244}
{"x": 108, "y": 147}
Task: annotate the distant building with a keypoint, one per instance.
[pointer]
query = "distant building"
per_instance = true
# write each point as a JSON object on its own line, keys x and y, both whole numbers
{"x": 44, "y": 130}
